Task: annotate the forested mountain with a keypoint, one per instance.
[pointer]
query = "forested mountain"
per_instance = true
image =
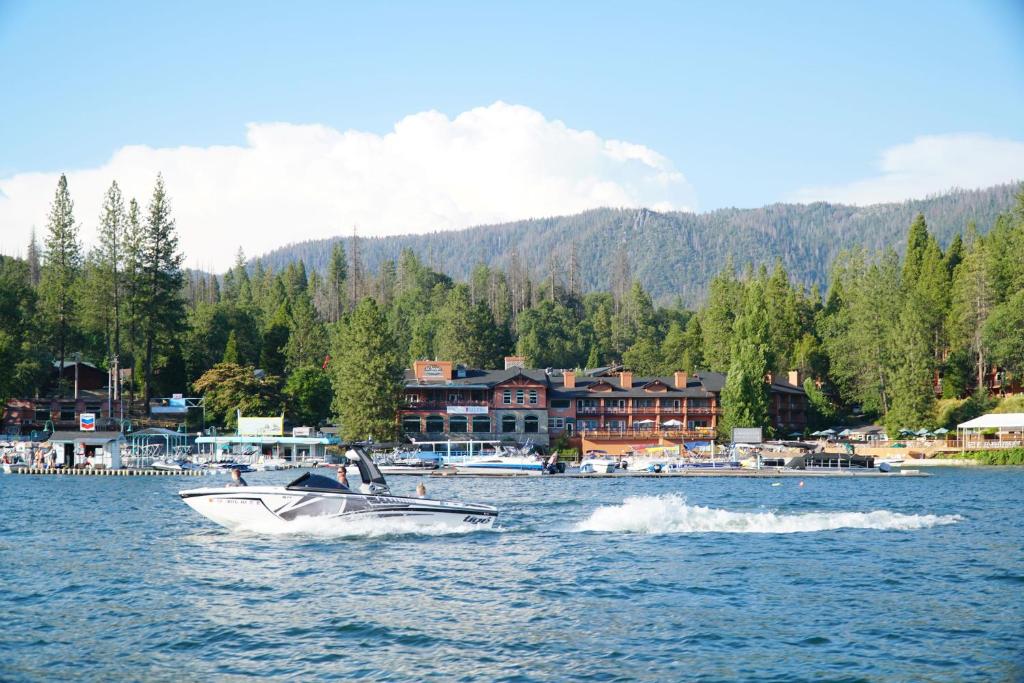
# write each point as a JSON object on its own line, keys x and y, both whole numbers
{"x": 673, "y": 254}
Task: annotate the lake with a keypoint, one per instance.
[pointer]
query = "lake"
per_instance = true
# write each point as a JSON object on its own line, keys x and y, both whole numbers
{"x": 110, "y": 578}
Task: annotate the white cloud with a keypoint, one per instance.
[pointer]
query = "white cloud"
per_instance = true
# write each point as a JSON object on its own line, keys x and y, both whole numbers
{"x": 930, "y": 164}
{"x": 293, "y": 182}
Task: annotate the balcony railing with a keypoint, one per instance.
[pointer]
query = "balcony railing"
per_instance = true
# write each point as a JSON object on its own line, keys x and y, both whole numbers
{"x": 441, "y": 405}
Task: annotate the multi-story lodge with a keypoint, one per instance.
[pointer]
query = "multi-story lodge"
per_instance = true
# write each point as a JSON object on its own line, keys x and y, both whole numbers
{"x": 446, "y": 400}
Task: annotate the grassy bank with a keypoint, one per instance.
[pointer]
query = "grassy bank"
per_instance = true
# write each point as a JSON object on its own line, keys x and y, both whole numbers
{"x": 1009, "y": 456}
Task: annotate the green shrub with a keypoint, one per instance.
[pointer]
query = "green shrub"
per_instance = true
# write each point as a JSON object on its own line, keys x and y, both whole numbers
{"x": 1005, "y": 456}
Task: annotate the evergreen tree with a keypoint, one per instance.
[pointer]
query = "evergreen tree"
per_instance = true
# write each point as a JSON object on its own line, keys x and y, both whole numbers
{"x": 34, "y": 259}
{"x": 366, "y": 373}
{"x": 161, "y": 308}
{"x": 308, "y": 395}
{"x": 113, "y": 227}
{"x": 745, "y": 394}
{"x": 62, "y": 262}
{"x": 231, "y": 350}
{"x": 275, "y": 340}
{"x": 913, "y": 397}
{"x": 307, "y": 339}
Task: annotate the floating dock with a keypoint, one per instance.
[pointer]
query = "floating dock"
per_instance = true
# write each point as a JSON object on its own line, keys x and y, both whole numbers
{"x": 110, "y": 473}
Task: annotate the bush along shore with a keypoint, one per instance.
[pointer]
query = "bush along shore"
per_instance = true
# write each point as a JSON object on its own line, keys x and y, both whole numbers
{"x": 1009, "y": 456}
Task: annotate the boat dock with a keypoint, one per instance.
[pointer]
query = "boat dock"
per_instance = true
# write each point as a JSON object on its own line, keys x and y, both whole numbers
{"x": 91, "y": 472}
{"x": 700, "y": 472}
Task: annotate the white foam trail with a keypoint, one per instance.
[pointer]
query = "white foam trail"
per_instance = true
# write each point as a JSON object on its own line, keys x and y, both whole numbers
{"x": 325, "y": 527}
{"x": 671, "y": 515}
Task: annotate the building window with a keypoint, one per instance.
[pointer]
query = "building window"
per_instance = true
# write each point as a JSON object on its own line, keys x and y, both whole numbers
{"x": 481, "y": 423}
{"x": 556, "y": 423}
{"x": 453, "y": 398}
{"x": 570, "y": 426}
{"x": 531, "y": 424}
{"x": 42, "y": 414}
{"x": 508, "y": 423}
{"x": 435, "y": 424}
{"x": 616, "y": 425}
{"x": 457, "y": 423}
{"x": 560, "y": 403}
{"x": 519, "y": 396}
{"x": 506, "y": 397}
{"x": 67, "y": 413}
{"x": 533, "y": 396}
{"x": 411, "y": 425}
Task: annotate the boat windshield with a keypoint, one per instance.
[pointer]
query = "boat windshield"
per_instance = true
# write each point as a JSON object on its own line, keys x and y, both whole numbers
{"x": 315, "y": 482}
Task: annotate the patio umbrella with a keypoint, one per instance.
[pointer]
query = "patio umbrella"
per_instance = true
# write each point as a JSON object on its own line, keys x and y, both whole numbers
{"x": 643, "y": 422}
{"x": 922, "y": 432}
{"x": 940, "y": 431}
{"x": 906, "y": 432}
{"x": 827, "y": 432}
{"x": 845, "y": 432}
{"x": 671, "y": 423}
{"x": 796, "y": 433}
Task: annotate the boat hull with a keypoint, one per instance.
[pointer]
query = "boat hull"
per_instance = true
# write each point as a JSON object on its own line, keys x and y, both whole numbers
{"x": 277, "y": 507}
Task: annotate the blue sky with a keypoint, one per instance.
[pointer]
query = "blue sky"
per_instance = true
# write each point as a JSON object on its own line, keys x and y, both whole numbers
{"x": 750, "y": 102}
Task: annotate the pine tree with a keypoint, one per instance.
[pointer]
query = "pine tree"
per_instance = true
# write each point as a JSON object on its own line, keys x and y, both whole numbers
{"x": 744, "y": 397}
{"x": 972, "y": 299}
{"x": 307, "y": 339}
{"x": 366, "y": 373}
{"x": 34, "y": 259}
{"x": 113, "y": 227}
{"x": 231, "y": 350}
{"x": 62, "y": 262}
{"x": 355, "y": 271}
{"x": 275, "y": 340}
{"x": 161, "y": 307}
{"x": 913, "y": 397}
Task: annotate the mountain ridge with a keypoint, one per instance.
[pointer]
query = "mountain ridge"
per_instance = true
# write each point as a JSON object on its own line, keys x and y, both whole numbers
{"x": 675, "y": 254}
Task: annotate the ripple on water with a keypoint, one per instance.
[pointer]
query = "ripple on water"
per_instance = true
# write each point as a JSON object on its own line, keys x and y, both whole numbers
{"x": 788, "y": 586}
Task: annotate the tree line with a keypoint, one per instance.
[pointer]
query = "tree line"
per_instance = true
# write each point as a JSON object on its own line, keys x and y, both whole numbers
{"x": 331, "y": 344}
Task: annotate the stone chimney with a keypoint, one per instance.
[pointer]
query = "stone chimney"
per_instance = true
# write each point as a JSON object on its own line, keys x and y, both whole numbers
{"x": 515, "y": 362}
{"x": 626, "y": 379}
{"x": 569, "y": 379}
{"x": 679, "y": 379}
{"x": 795, "y": 378}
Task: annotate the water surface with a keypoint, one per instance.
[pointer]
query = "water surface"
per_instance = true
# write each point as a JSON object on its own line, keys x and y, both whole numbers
{"x": 592, "y": 580}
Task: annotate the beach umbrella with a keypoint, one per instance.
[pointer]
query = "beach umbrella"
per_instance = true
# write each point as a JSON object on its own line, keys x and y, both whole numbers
{"x": 827, "y": 432}
{"x": 845, "y": 432}
{"x": 940, "y": 431}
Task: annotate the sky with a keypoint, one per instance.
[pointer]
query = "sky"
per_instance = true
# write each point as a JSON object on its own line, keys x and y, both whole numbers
{"x": 274, "y": 123}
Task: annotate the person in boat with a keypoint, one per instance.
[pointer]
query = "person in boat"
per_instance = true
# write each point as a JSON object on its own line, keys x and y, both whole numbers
{"x": 343, "y": 476}
{"x": 236, "y": 478}
{"x": 421, "y": 490}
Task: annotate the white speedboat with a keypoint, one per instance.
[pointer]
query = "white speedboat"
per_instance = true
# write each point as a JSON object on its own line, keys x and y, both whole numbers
{"x": 501, "y": 464}
{"x": 170, "y": 465}
{"x": 314, "y": 496}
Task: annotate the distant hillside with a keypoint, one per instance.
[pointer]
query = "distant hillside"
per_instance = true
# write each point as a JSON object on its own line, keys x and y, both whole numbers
{"x": 676, "y": 254}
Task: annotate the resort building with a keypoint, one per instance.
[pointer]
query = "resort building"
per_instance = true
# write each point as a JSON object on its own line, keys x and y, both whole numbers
{"x": 602, "y": 405}
{"x": 464, "y": 403}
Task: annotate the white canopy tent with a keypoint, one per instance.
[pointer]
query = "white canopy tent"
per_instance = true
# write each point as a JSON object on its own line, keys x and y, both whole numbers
{"x": 1009, "y": 431}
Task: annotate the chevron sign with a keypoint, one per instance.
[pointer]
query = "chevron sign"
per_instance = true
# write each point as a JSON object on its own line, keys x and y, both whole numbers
{"x": 87, "y": 422}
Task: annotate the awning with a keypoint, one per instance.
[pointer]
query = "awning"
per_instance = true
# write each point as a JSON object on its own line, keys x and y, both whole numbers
{"x": 995, "y": 421}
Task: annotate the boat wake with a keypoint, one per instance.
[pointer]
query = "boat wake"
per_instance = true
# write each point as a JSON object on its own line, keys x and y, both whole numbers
{"x": 672, "y": 515}
{"x": 326, "y": 527}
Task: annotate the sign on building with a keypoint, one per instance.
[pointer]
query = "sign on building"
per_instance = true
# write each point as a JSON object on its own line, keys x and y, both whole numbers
{"x": 260, "y": 426}
{"x": 467, "y": 410}
{"x": 87, "y": 422}
{"x": 746, "y": 435}
{"x": 433, "y": 371}
{"x": 302, "y": 431}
